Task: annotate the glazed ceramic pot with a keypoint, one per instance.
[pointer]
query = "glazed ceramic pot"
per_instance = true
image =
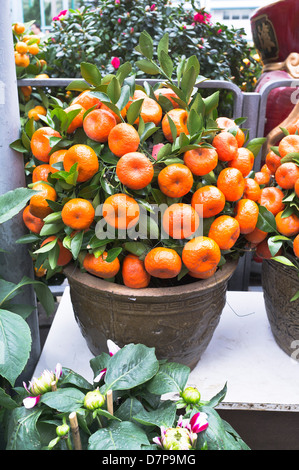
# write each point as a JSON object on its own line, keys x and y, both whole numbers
{"x": 178, "y": 322}
{"x": 280, "y": 283}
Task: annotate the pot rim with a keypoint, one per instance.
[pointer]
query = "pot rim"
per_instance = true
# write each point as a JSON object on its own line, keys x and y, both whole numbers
{"x": 90, "y": 281}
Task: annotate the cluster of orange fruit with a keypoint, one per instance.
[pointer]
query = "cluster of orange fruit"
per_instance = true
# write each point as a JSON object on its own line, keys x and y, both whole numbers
{"x": 207, "y": 186}
{"x": 279, "y": 178}
{"x": 25, "y": 45}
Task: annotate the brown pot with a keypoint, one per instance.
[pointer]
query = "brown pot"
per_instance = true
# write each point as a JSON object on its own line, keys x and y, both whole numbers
{"x": 178, "y": 322}
{"x": 280, "y": 283}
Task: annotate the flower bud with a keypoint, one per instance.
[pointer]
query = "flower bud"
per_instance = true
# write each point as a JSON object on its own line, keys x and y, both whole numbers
{"x": 177, "y": 439}
{"x": 62, "y": 430}
{"x": 191, "y": 395}
{"x": 94, "y": 400}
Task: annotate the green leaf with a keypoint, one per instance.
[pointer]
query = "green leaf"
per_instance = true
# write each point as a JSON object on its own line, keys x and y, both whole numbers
{"x": 6, "y": 401}
{"x": 166, "y": 64}
{"x": 114, "y": 90}
{"x": 90, "y": 73}
{"x": 266, "y": 220}
{"x": 163, "y": 46}
{"x": 64, "y": 400}
{"x": 284, "y": 260}
{"x": 12, "y": 202}
{"x": 255, "y": 145}
{"x": 78, "y": 85}
{"x": 171, "y": 377}
{"x": 76, "y": 244}
{"x": 146, "y": 45}
{"x": 188, "y": 82}
{"x": 211, "y": 102}
{"x": 22, "y": 430}
{"x": 147, "y": 67}
{"x": 134, "y": 111}
{"x": 194, "y": 122}
{"x": 15, "y": 345}
{"x": 137, "y": 248}
{"x": 113, "y": 254}
{"x": 18, "y": 146}
{"x": 118, "y": 436}
{"x": 123, "y": 71}
{"x": 164, "y": 415}
{"x": 131, "y": 366}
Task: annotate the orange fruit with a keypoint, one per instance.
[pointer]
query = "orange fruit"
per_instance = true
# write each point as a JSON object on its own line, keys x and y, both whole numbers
{"x": 86, "y": 100}
{"x": 208, "y": 201}
{"x": 150, "y": 111}
{"x": 262, "y": 178}
{"x": 123, "y": 138}
{"x": 168, "y": 93}
{"x": 22, "y": 60}
{"x": 262, "y": 250}
{"x": 56, "y": 157}
{"x": 134, "y": 273}
{"x": 296, "y": 246}
{"x": 21, "y": 47}
{"x": 273, "y": 161}
{"x": 201, "y": 254}
{"x": 201, "y": 161}
{"x": 135, "y": 170}
{"x": 65, "y": 256}
{"x": 271, "y": 198}
{"x": 232, "y": 183}
{"x": 296, "y": 188}
{"x": 203, "y": 275}
{"x": 40, "y": 144}
{"x": 180, "y": 221}
{"x": 179, "y": 117}
{"x": 243, "y": 161}
{"x": 42, "y": 76}
{"x": 226, "y": 146}
{"x": 34, "y": 112}
{"x": 164, "y": 263}
{"x": 256, "y": 236}
{"x": 78, "y": 214}
{"x": 288, "y": 144}
{"x": 40, "y": 272}
{"x": 175, "y": 180}
{"x": 121, "y": 211}
{"x": 34, "y": 224}
{"x": 19, "y": 28}
{"x": 98, "y": 124}
{"x": 100, "y": 267}
{"x": 252, "y": 189}
{"x": 247, "y": 212}
{"x": 78, "y": 120}
{"x": 226, "y": 124}
{"x": 87, "y": 160}
{"x": 38, "y": 205}
{"x": 41, "y": 172}
{"x": 33, "y": 49}
{"x": 287, "y": 226}
{"x": 286, "y": 175}
{"x": 26, "y": 90}
{"x": 225, "y": 231}
{"x": 123, "y": 112}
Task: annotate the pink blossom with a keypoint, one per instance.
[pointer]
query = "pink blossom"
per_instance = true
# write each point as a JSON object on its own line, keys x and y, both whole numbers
{"x": 153, "y": 7}
{"x": 202, "y": 18}
{"x": 119, "y": 20}
{"x": 131, "y": 30}
{"x": 117, "y": 2}
{"x": 115, "y": 62}
{"x": 41, "y": 385}
{"x": 184, "y": 26}
{"x": 156, "y": 149}
{"x": 62, "y": 13}
{"x": 219, "y": 31}
{"x": 113, "y": 349}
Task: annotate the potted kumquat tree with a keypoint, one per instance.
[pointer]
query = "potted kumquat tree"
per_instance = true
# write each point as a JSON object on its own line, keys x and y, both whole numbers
{"x": 278, "y": 244}
{"x": 145, "y": 200}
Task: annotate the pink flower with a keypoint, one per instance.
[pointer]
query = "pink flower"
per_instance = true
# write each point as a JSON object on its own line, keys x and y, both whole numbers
{"x": 153, "y": 7}
{"x": 184, "y": 26}
{"x": 156, "y": 149}
{"x": 62, "y": 13}
{"x": 119, "y": 20}
{"x": 219, "y": 31}
{"x": 115, "y": 62}
{"x": 113, "y": 349}
{"x": 202, "y": 18}
{"x": 41, "y": 385}
{"x": 131, "y": 30}
{"x": 117, "y": 2}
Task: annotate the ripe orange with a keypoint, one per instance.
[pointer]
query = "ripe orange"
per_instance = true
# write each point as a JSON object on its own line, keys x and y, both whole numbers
{"x": 86, "y": 158}
{"x": 150, "y": 111}
{"x": 164, "y": 263}
{"x": 201, "y": 254}
{"x": 19, "y": 28}
{"x": 256, "y": 236}
{"x": 208, "y": 201}
{"x": 34, "y": 112}
{"x": 40, "y": 145}
{"x": 226, "y": 146}
{"x": 296, "y": 246}
{"x": 201, "y": 161}
{"x": 26, "y": 90}
{"x": 98, "y": 124}
{"x": 21, "y": 47}
{"x": 225, "y": 231}
{"x": 179, "y": 117}
{"x": 134, "y": 273}
{"x": 22, "y": 60}
{"x": 232, "y": 183}
{"x": 34, "y": 224}
{"x": 100, "y": 267}
{"x": 286, "y": 175}
{"x": 175, "y": 180}
{"x": 271, "y": 198}
{"x": 243, "y": 161}
{"x": 226, "y": 124}
{"x": 78, "y": 214}
{"x": 65, "y": 256}
{"x": 78, "y": 120}
{"x": 87, "y": 100}
{"x": 180, "y": 221}
{"x": 41, "y": 172}
{"x": 121, "y": 211}
{"x": 262, "y": 178}
{"x": 204, "y": 275}
{"x": 123, "y": 112}
{"x": 122, "y": 139}
{"x": 38, "y": 205}
{"x": 56, "y": 157}
{"x": 262, "y": 250}
{"x": 252, "y": 189}
{"x": 247, "y": 212}
{"x": 296, "y": 188}
{"x": 289, "y": 143}
{"x": 135, "y": 170}
{"x": 33, "y": 49}
{"x": 168, "y": 93}
{"x": 40, "y": 272}
{"x": 273, "y": 161}
{"x": 288, "y": 226}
